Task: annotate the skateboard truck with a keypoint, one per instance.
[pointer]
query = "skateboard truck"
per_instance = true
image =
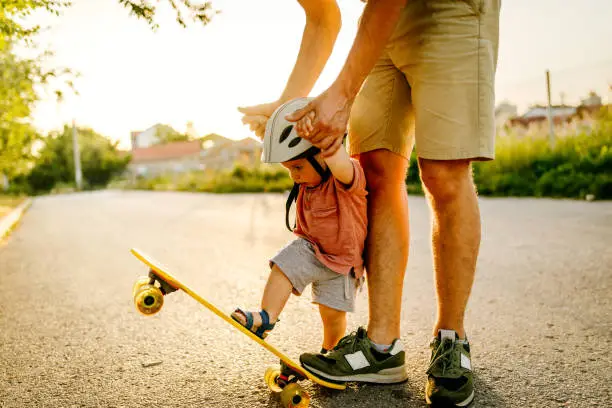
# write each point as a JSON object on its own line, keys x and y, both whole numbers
{"x": 163, "y": 285}
{"x": 288, "y": 375}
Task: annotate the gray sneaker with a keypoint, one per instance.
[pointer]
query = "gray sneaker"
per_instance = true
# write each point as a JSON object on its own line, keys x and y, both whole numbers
{"x": 356, "y": 359}
{"x": 450, "y": 382}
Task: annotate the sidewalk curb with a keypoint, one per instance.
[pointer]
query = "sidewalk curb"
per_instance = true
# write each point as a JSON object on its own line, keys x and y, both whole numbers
{"x": 11, "y": 219}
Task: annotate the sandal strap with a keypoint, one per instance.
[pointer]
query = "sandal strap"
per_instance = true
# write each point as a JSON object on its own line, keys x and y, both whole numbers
{"x": 248, "y": 316}
{"x": 265, "y": 324}
{"x": 265, "y": 317}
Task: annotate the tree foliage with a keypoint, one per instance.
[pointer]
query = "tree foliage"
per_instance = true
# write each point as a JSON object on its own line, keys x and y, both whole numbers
{"x": 20, "y": 78}
{"x": 166, "y": 134}
{"x": 186, "y": 11}
{"x": 100, "y": 158}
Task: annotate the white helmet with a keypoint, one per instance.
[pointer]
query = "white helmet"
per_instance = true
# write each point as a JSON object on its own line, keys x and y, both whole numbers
{"x": 281, "y": 141}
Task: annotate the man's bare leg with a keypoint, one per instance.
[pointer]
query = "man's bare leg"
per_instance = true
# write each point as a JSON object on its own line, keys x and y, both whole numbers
{"x": 386, "y": 253}
{"x": 455, "y": 237}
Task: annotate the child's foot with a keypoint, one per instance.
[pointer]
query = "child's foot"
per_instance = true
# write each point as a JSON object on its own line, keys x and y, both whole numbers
{"x": 257, "y": 322}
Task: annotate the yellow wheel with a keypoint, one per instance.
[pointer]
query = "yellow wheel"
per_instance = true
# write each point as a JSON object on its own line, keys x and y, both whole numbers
{"x": 143, "y": 280}
{"x": 148, "y": 299}
{"x": 294, "y": 396}
{"x": 270, "y": 377}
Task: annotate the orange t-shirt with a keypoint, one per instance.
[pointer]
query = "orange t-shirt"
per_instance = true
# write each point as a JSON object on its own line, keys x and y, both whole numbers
{"x": 333, "y": 217}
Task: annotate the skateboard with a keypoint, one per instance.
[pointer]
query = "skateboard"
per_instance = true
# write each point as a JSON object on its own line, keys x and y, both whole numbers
{"x": 149, "y": 292}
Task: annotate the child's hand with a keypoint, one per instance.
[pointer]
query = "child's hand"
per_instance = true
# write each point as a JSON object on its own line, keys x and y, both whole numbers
{"x": 304, "y": 127}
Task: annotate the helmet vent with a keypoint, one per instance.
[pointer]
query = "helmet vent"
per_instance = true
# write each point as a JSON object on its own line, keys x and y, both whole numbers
{"x": 295, "y": 141}
{"x": 285, "y": 133}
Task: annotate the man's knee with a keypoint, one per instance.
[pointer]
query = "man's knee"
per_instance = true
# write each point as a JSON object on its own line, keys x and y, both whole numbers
{"x": 383, "y": 168}
{"x": 445, "y": 179}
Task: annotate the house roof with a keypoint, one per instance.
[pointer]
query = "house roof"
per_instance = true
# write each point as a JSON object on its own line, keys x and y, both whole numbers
{"x": 542, "y": 111}
{"x": 166, "y": 151}
{"x": 217, "y": 139}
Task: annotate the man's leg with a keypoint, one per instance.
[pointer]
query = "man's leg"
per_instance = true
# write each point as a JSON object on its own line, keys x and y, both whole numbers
{"x": 455, "y": 244}
{"x": 455, "y": 237}
{"x": 386, "y": 257}
{"x": 386, "y": 254}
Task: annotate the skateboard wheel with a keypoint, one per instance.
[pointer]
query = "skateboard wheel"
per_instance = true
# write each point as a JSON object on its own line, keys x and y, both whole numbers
{"x": 294, "y": 396}
{"x": 270, "y": 378}
{"x": 143, "y": 280}
{"x": 148, "y": 299}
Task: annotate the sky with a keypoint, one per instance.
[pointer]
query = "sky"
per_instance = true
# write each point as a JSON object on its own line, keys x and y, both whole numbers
{"x": 131, "y": 77}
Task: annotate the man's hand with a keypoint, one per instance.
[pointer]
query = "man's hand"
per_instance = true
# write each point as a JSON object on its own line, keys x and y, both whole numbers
{"x": 257, "y": 116}
{"x": 324, "y": 120}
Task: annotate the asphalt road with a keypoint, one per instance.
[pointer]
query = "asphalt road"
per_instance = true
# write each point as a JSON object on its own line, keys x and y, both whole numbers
{"x": 538, "y": 320}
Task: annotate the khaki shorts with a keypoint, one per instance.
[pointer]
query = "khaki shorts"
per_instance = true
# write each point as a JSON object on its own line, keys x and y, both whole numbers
{"x": 433, "y": 84}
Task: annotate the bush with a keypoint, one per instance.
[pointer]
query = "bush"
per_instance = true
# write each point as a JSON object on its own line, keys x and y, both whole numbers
{"x": 237, "y": 180}
{"x": 100, "y": 161}
{"x": 574, "y": 167}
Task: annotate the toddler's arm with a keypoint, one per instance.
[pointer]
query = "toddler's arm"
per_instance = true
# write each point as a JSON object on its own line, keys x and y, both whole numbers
{"x": 341, "y": 166}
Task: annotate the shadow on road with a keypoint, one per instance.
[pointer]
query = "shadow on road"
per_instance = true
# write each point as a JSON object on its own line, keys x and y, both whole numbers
{"x": 406, "y": 395}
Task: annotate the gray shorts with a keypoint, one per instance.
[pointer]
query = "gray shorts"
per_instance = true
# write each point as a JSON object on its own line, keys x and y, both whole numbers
{"x": 298, "y": 262}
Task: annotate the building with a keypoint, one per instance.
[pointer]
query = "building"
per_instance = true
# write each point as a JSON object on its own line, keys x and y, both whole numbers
{"x": 153, "y": 135}
{"x": 212, "y": 152}
{"x": 503, "y": 112}
{"x": 176, "y": 157}
{"x": 225, "y": 155}
{"x": 567, "y": 120}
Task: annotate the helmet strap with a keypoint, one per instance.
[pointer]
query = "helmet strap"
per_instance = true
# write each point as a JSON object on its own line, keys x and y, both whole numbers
{"x": 314, "y": 163}
{"x": 290, "y": 200}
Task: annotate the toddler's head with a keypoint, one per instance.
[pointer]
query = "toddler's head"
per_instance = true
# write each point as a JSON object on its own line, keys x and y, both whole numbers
{"x": 303, "y": 172}
{"x": 283, "y": 145}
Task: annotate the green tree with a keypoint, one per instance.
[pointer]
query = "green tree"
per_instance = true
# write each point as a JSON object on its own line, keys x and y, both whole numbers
{"x": 100, "y": 160}
{"x": 166, "y": 134}
{"x": 13, "y": 13}
{"x": 201, "y": 13}
{"x": 20, "y": 77}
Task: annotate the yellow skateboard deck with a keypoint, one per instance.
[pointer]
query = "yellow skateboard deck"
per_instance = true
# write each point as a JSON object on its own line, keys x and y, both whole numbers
{"x": 171, "y": 283}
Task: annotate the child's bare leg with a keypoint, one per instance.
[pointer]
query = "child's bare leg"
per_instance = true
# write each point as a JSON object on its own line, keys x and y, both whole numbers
{"x": 334, "y": 325}
{"x": 276, "y": 293}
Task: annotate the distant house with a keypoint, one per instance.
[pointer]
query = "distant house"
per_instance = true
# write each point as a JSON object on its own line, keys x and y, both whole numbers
{"x": 225, "y": 155}
{"x": 539, "y": 113}
{"x": 503, "y": 112}
{"x": 174, "y": 157}
{"x": 593, "y": 100}
{"x": 567, "y": 120}
{"x": 151, "y": 136}
{"x": 212, "y": 152}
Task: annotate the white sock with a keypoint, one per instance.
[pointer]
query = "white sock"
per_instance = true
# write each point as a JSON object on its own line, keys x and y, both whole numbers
{"x": 382, "y": 348}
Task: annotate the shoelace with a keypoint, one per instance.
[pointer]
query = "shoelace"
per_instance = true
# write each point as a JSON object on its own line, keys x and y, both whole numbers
{"x": 444, "y": 354}
{"x": 349, "y": 340}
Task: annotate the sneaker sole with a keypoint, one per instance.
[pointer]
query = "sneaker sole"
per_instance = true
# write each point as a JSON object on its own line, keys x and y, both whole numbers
{"x": 463, "y": 403}
{"x": 387, "y": 376}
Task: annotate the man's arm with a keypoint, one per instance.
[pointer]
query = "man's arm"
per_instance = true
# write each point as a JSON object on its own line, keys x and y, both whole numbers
{"x": 323, "y": 22}
{"x": 332, "y": 108}
{"x": 378, "y": 21}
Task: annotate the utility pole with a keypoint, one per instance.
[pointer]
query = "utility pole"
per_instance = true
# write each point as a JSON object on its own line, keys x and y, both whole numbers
{"x": 78, "y": 176}
{"x": 549, "y": 111}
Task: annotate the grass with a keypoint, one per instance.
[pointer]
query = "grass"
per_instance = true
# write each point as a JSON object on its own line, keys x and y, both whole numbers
{"x": 576, "y": 166}
{"x": 8, "y": 202}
